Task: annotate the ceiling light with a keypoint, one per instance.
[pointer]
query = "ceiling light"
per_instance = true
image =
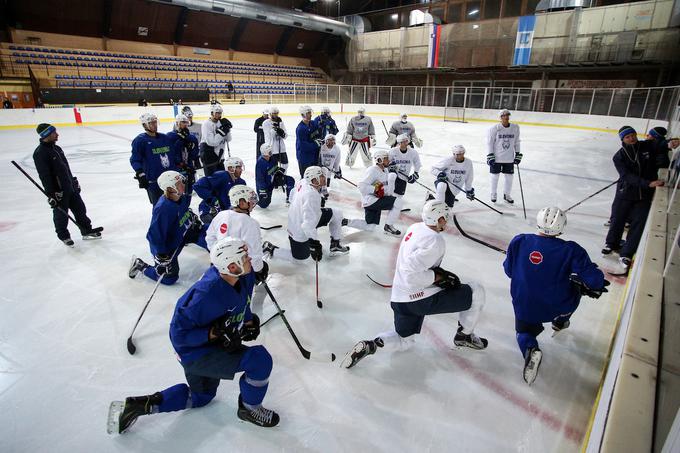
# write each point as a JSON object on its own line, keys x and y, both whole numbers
{"x": 473, "y": 12}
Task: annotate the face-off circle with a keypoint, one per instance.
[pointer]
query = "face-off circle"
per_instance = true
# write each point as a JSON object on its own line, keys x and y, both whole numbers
{"x": 536, "y": 257}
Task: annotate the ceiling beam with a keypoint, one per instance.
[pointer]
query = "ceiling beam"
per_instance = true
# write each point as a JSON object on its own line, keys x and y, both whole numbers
{"x": 238, "y": 31}
{"x": 181, "y": 25}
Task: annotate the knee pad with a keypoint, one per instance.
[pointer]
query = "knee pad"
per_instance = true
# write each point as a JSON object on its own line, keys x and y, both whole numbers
{"x": 257, "y": 363}
{"x": 201, "y": 399}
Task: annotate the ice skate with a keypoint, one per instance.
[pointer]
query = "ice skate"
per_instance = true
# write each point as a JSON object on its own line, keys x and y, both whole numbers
{"x": 268, "y": 247}
{"x": 92, "y": 235}
{"x": 137, "y": 265}
{"x": 337, "y": 248}
{"x": 531, "y": 363}
{"x": 260, "y": 416}
{"x": 358, "y": 352}
{"x": 68, "y": 242}
{"x": 558, "y": 326}
{"x": 623, "y": 268}
{"x": 122, "y": 415}
{"x": 390, "y": 230}
{"x": 493, "y": 197}
{"x": 508, "y": 198}
{"x": 471, "y": 341}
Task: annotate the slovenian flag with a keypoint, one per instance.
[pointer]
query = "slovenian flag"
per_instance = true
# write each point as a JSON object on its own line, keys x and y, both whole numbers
{"x": 433, "y": 50}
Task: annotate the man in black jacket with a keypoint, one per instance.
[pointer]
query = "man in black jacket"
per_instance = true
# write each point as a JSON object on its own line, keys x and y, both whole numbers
{"x": 637, "y": 167}
{"x": 257, "y": 128}
{"x": 61, "y": 186}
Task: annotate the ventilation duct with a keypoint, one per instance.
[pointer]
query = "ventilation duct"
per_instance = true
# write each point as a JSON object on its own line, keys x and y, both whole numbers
{"x": 545, "y": 6}
{"x": 267, "y": 13}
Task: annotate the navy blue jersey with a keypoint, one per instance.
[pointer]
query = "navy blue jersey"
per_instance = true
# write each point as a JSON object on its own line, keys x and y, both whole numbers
{"x": 264, "y": 174}
{"x": 306, "y": 149}
{"x": 326, "y": 125}
{"x": 215, "y": 189}
{"x": 539, "y": 268}
{"x": 169, "y": 221}
{"x": 209, "y": 299}
{"x": 153, "y": 155}
{"x": 185, "y": 149}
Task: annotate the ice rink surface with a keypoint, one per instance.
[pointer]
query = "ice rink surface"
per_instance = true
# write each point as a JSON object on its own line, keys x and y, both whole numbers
{"x": 66, "y": 313}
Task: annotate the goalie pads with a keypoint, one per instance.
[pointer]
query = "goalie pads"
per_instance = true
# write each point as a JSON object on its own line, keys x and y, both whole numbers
{"x": 372, "y": 141}
{"x": 418, "y": 142}
{"x": 346, "y": 138}
{"x": 391, "y": 140}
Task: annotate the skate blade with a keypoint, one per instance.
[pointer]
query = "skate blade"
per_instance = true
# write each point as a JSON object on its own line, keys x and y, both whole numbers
{"x": 338, "y": 253}
{"x": 348, "y": 361}
{"x": 115, "y": 409}
{"x": 91, "y": 238}
{"x": 531, "y": 371}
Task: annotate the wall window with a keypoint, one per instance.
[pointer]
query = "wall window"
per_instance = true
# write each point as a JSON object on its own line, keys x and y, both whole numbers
{"x": 531, "y": 7}
{"x": 513, "y": 8}
{"x": 492, "y": 9}
{"x": 454, "y": 13}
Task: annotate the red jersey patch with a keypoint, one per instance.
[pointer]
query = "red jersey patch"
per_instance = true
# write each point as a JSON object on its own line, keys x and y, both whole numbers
{"x": 536, "y": 257}
{"x": 408, "y": 236}
{"x": 223, "y": 228}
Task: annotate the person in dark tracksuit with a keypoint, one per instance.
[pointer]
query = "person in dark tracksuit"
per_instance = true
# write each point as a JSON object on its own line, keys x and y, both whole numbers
{"x": 62, "y": 188}
{"x": 257, "y": 128}
{"x": 636, "y": 163}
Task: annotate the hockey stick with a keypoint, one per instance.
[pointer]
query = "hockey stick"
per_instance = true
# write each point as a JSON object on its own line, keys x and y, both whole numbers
{"x": 521, "y": 191}
{"x": 318, "y": 301}
{"x": 488, "y": 206}
{"x": 130, "y": 345}
{"x": 341, "y": 177}
{"x": 472, "y": 238}
{"x": 320, "y": 357}
{"x": 417, "y": 182}
{"x": 385, "y": 127}
{"x": 377, "y": 282}
{"x": 406, "y": 210}
{"x": 272, "y": 317}
{"x": 273, "y": 227}
{"x": 62, "y": 210}
{"x": 591, "y": 196}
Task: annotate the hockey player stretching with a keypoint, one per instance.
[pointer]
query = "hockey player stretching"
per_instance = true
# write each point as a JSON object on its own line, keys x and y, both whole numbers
{"x": 452, "y": 174}
{"x": 548, "y": 276}
{"x": 503, "y": 154}
{"x": 402, "y": 159}
{"x": 210, "y": 323}
{"x": 377, "y": 193}
{"x": 421, "y": 287}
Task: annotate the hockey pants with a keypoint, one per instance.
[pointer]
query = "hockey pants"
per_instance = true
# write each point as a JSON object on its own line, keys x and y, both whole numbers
{"x": 393, "y": 204}
{"x": 365, "y": 153}
{"x": 444, "y": 193}
{"x": 508, "y": 170}
{"x": 300, "y": 250}
{"x": 526, "y": 332}
{"x": 203, "y": 376}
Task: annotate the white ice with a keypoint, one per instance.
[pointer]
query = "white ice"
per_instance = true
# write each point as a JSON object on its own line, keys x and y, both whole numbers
{"x": 66, "y": 314}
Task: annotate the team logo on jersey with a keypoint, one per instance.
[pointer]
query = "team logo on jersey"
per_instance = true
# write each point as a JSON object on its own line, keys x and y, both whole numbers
{"x": 408, "y": 236}
{"x": 223, "y": 228}
{"x": 165, "y": 161}
{"x": 536, "y": 257}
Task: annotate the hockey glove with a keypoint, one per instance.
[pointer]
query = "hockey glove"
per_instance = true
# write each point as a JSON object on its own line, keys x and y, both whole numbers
{"x": 262, "y": 194}
{"x": 225, "y": 125}
{"x": 263, "y": 273}
{"x": 413, "y": 178}
{"x": 54, "y": 200}
{"x": 393, "y": 168}
{"x": 315, "y": 249}
{"x": 228, "y": 336}
{"x": 378, "y": 189}
{"x": 183, "y": 134}
{"x": 518, "y": 158}
{"x": 441, "y": 177}
{"x": 141, "y": 179}
{"x": 446, "y": 279}
{"x": 338, "y": 174}
{"x": 318, "y": 142}
{"x": 250, "y": 330}
{"x": 279, "y": 131}
{"x": 162, "y": 263}
{"x": 585, "y": 290}
{"x": 76, "y": 185}
{"x": 418, "y": 142}
{"x": 490, "y": 159}
{"x": 470, "y": 194}
{"x": 372, "y": 141}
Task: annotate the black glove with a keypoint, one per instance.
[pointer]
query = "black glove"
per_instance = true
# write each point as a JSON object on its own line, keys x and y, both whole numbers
{"x": 162, "y": 263}
{"x": 413, "y": 178}
{"x": 518, "y": 158}
{"x": 76, "y": 185}
{"x": 263, "y": 194}
{"x": 229, "y": 336}
{"x": 225, "y": 126}
{"x": 193, "y": 218}
{"x": 585, "y": 290}
{"x": 393, "y": 168}
{"x": 263, "y": 273}
{"x": 441, "y": 177}
{"x": 250, "y": 330}
{"x": 279, "y": 179}
{"x": 490, "y": 158}
{"x": 183, "y": 134}
{"x": 470, "y": 194}
{"x": 141, "y": 179}
{"x": 315, "y": 249}
{"x": 446, "y": 279}
{"x": 338, "y": 174}
{"x": 54, "y": 199}
{"x": 279, "y": 131}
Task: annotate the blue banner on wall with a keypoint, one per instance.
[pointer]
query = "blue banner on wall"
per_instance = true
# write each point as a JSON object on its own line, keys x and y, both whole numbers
{"x": 525, "y": 37}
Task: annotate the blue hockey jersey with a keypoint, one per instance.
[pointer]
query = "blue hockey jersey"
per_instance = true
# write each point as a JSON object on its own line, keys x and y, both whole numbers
{"x": 153, "y": 155}
{"x": 539, "y": 268}
{"x": 215, "y": 189}
{"x": 169, "y": 221}
{"x": 185, "y": 149}
{"x": 306, "y": 149}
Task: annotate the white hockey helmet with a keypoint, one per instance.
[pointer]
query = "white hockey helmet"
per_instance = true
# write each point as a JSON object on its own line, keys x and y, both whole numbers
{"x": 329, "y": 137}
{"x": 551, "y": 221}
{"x": 273, "y": 109}
{"x": 379, "y": 155}
{"x": 403, "y": 116}
{"x": 148, "y": 117}
{"x": 187, "y": 111}
{"x": 458, "y": 149}
{"x": 265, "y": 112}
{"x": 305, "y": 109}
{"x": 233, "y": 162}
{"x": 241, "y": 192}
{"x": 215, "y": 108}
{"x": 266, "y": 149}
{"x": 504, "y": 112}
{"x": 312, "y": 173}
{"x": 226, "y": 251}
{"x": 403, "y": 138}
{"x": 169, "y": 179}
{"x": 181, "y": 118}
{"x": 361, "y": 110}
{"x": 326, "y": 110}
{"x": 433, "y": 210}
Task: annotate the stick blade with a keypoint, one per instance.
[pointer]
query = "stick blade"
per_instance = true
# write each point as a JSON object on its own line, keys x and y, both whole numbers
{"x": 321, "y": 357}
{"x": 131, "y": 346}
{"x": 319, "y": 303}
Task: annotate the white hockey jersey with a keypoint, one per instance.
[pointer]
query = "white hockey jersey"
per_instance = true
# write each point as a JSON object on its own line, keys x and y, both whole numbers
{"x": 304, "y": 212}
{"x": 373, "y": 175}
{"x": 210, "y": 137}
{"x": 329, "y": 158}
{"x": 503, "y": 142}
{"x": 272, "y": 138}
{"x": 421, "y": 249}
{"x": 404, "y": 160}
{"x": 407, "y": 128}
{"x": 195, "y": 129}
{"x": 360, "y": 128}
{"x": 237, "y": 225}
{"x": 459, "y": 173}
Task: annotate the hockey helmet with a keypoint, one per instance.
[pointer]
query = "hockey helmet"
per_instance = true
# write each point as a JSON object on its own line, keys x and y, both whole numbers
{"x": 274, "y": 110}
{"x": 551, "y": 221}
{"x": 233, "y": 162}
{"x": 326, "y": 110}
{"x": 504, "y": 112}
{"x": 169, "y": 179}
{"x": 305, "y": 109}
{"x": 381, "y": 156}
{"x": 187, "y": 111}
{"x": 458, "y": 149}
{"x": 229, "y": 250}
{"x": 241, "y": 192}
{"x": 312, "y": 173}
{"x": 433, "y": 210}
{"x": 181, "y": 118}
{"x": 266, "y": 149}
{"x": 215, "y": 108}
{"x": 403, "y": 138}
{"x": 361, "y": 111}
{"x": 147, "y": 118}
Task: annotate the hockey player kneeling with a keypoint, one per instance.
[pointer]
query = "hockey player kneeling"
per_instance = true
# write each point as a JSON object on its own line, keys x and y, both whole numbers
{"x": 421, "y": 287}
{"x": 548, "y": 277}
{"x": 211, "y": 322}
